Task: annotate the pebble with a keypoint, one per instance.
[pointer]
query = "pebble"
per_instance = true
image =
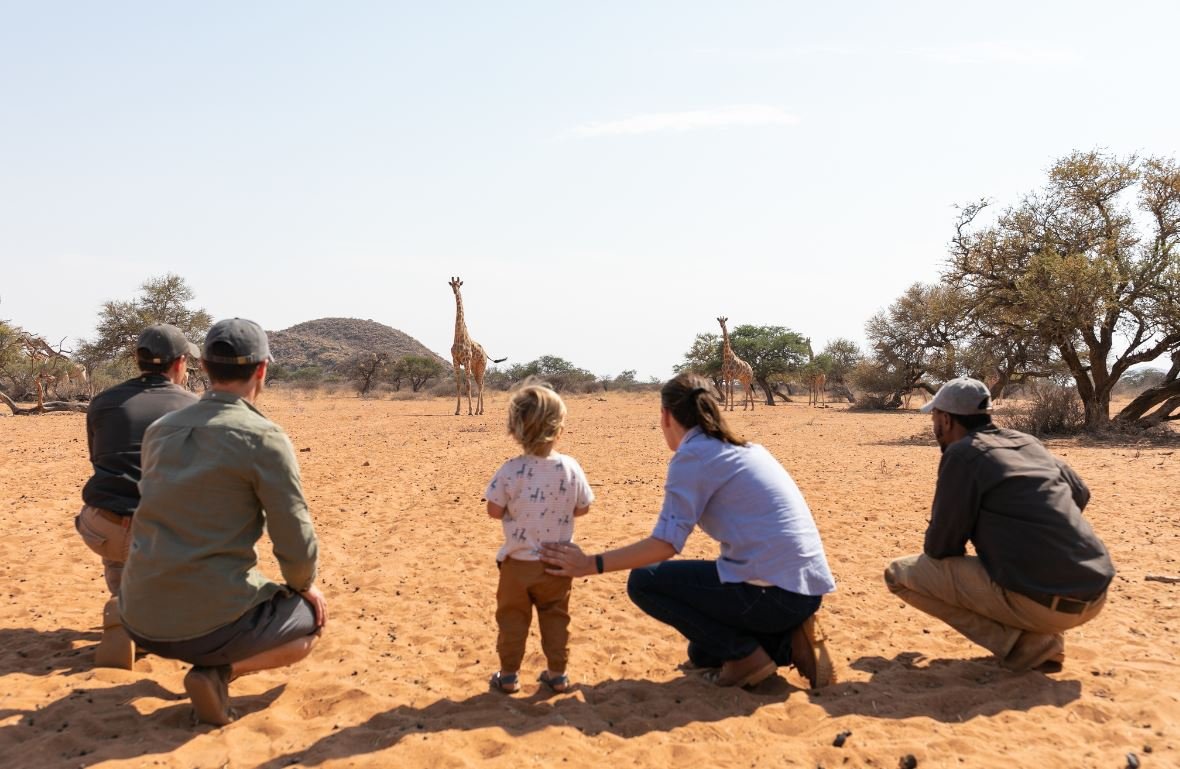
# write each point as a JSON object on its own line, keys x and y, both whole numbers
{"x": 907, "y": 762}
{"x": 841, "y": 737}
{"x": 1132, "y": 761}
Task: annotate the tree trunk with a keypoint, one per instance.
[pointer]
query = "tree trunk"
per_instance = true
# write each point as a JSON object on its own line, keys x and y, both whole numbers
{"x": 44, "y": 408}
{"x": 1165, "y": 393}
{"x": 766, "y": 389}
{"x": 1097, "y": 408}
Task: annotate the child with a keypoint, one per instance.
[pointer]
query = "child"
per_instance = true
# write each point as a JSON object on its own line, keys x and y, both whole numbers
{"x": 536, "y": 495}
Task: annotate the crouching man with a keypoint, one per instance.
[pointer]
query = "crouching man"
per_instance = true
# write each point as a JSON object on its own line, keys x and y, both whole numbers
{"x": 1039, "y": 568}
{"x": 215, "y": 474}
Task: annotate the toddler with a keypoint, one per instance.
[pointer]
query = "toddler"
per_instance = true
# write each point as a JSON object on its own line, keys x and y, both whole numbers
{"x": 536, "y": 496}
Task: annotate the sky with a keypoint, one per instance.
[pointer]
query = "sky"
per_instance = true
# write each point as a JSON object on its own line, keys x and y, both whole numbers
{"x": 607, "y": 178}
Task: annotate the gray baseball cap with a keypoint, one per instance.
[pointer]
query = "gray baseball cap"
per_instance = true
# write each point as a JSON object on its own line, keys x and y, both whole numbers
{"x": 961, "y": 396}
{"x": 245, "y": 339}
{"x": 163, "y": 343}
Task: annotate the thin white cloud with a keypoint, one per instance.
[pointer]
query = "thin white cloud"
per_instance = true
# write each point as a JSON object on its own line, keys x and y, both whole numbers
{"x": 742, "y": 115}
{"x": 996, "y": 52}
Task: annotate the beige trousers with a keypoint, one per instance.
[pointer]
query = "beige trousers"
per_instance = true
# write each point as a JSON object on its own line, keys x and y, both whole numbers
{"x": 110, "y": 540}
{"x": 1019, "y": 631}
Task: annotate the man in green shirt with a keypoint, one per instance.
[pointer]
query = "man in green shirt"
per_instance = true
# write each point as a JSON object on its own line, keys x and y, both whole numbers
{"x": 215, "y": 475}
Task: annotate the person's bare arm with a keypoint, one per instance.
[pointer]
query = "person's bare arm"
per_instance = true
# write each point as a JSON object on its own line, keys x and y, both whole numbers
{"x": 567, "y": 559}
{"x": 580, "y": 511}
{"x": 496, "y": 511}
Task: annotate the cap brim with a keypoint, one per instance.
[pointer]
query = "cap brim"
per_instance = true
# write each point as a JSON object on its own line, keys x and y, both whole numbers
{"x": 926, "y": 409}
{"x": 193, "y": 351}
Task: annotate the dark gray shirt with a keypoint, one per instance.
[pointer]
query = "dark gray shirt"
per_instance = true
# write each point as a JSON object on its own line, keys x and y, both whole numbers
{"x": 1021, "y": 508}
{"x": 115, "y": 423}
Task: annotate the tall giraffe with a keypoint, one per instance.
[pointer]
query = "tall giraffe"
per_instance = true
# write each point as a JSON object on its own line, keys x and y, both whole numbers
{"x": 733, "y": 367}
{"x": 817, "y": 380}
{"x": 467, "y": 356}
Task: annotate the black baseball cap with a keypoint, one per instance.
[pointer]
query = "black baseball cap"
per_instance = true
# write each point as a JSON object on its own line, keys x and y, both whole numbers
{"x": 243, "y": 340}
{"x": 163, "y": 343}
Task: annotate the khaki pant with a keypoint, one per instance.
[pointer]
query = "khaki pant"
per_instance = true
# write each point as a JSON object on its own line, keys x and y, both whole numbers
{"x": 1019, "y": 631}
{"x": 523, "y": 585}
{"x": 110, "y": 540}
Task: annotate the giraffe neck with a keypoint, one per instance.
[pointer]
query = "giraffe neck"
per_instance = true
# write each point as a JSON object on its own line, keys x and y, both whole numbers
{"x": 460, "y": 324}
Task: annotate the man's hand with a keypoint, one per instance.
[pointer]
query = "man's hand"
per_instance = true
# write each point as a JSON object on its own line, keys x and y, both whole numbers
{"x": 316, "y": 599}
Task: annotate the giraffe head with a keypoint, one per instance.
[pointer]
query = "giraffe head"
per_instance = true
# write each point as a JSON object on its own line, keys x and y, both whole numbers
{"x": 722, "y": 321}
{"x": 455, "y": 283}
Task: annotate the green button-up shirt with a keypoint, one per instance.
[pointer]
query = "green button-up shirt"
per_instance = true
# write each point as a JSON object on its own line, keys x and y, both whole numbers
{"x": 214, "y": 475}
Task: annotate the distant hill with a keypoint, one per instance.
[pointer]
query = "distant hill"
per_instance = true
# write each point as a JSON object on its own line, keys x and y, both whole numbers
{"x": 328, "y": 342}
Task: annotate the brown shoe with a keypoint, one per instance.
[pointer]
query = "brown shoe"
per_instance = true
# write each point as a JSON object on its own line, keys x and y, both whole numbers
{"x": 208, "y": 688}
{"x": 809, "y": 654}
{"x": 115, "y": 648}
{"x": 1033, "y": 649}
{"x": 750, "y": 670}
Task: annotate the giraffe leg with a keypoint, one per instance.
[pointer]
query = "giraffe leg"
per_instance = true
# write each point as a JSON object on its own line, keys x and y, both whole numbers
{"x": 458, "y": 390}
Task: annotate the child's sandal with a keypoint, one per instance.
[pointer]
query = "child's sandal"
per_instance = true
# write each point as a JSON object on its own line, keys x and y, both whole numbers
{"x": 559, "y": 683}
{"x": 509, "y": 683}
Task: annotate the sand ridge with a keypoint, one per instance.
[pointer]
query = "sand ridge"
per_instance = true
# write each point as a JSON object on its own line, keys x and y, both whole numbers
{"x": 408, "y": 570}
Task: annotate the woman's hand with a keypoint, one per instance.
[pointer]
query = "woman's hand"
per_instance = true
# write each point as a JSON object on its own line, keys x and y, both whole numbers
{"x": 566, "y": 559}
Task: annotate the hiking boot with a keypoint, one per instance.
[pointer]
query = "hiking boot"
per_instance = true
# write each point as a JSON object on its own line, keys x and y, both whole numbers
{"x": 115, "y": 649}
{"x": 809, "y": 654}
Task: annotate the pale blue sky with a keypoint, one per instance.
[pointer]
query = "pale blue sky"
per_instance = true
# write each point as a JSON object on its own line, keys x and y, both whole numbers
{"x": 607, "y": 178}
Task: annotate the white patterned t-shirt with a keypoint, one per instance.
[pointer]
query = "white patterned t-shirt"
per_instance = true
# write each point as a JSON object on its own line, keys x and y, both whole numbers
{"x": 539, "y": 496}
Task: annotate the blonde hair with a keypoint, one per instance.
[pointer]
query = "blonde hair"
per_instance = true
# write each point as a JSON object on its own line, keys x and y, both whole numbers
{"x": 536, "y": 417}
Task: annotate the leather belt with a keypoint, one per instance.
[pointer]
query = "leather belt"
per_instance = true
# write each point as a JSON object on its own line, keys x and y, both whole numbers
{"x": 1062, "y": 603}
{"x": 115, "y": 518}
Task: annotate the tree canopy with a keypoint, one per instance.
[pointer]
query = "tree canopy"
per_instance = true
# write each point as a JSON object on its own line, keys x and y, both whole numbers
{"x": 1088, "y": 265}
{"x": 163, "y": 299}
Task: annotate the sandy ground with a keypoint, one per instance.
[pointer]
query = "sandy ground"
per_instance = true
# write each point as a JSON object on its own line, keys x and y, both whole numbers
{"x": 400, "y": 676}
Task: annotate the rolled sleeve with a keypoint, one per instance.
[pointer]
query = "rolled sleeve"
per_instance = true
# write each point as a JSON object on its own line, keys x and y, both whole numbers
{"x": 684, "y": 501}
{"x": 279, "y": 489}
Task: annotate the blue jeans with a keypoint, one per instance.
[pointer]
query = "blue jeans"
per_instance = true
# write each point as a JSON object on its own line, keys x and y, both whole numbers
{"x": 721, "y": 620}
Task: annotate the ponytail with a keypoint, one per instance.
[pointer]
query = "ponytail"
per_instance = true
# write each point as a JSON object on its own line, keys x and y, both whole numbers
{"x": 689, "y": 399}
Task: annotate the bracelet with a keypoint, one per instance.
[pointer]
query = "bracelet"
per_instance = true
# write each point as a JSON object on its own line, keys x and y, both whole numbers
{"x": 598, "y": 563}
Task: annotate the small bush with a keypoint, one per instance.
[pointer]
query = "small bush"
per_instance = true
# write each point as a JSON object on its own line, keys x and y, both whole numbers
{"x": 1051, "y": 409}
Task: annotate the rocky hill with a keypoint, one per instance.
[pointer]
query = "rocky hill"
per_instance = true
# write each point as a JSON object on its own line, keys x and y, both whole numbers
{"x": 328, "y": 342}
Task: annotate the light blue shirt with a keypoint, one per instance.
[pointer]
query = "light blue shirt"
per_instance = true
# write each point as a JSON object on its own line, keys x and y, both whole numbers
{"x": 743, "y": 498}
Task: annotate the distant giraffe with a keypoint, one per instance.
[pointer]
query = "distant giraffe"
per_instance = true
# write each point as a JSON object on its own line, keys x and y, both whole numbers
{"x": 733, "y": 367}
{"x": 817, "y": 380}
{"x": 468, "y": 357}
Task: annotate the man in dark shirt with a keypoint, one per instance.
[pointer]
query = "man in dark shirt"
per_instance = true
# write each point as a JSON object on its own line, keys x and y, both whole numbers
{"x": 115, "y": 424}
{"x": 1038, "y": 568}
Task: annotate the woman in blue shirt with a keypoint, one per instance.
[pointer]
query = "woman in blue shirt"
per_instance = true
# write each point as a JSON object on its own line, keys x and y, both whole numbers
{"x": 754, "y": 607}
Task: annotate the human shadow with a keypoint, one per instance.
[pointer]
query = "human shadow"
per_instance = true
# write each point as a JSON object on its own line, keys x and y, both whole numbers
{"x": 623, "y": 707}
{"x": 41, "y": 652}
{"x": 103, "y": 723}
{"x": 948, "y": 690}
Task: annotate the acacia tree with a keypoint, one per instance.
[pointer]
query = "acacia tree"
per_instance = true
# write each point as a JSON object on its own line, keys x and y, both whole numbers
{"x": 366, "y": 369}
{"x": 771, "y": 351}
{"x": 1090, "y": 264}
{"x": 418, "y": 369}
{"x": 915, "y": 343}
{"x": 163, "y": 299}
{"x": 704, "y": 358}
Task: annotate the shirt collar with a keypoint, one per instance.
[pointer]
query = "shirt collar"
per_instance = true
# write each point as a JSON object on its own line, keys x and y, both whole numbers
{"x": 229, "y": 399}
